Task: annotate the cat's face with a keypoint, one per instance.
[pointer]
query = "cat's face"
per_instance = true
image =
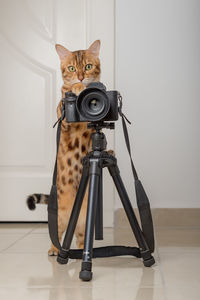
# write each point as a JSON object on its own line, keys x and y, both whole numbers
{"x": 80, "y": 66}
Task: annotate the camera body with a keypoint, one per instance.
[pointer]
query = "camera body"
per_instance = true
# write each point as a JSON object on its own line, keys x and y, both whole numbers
{"x": 93, "y": 104}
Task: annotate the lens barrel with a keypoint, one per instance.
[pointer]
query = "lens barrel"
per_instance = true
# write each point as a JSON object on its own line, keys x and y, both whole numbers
{"x": 93, "y": 104}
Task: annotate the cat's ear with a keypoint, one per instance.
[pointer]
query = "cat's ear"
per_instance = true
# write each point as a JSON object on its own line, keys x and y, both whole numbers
{"x": 62, "y": 52}
{"x": 94, "y": 48}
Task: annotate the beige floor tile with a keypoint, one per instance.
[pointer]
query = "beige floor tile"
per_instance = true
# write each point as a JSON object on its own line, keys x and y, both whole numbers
{"x": 41, "y": 228}
{"x": 7, "y": 240}
{"x": 180, "y": 269}
{"x": 26, "y": 264}
{"x": 126, "y": 271}
{"x": 108, "y": 236}
{"x": 81, "y": 293}
{"x": 39, "y": 270}
{"x": 34, "y": 243}
{"x": 177, "y": 239}
{"x": 31, "y": 270}
{"x": 31, "y": 243}
{"x": 124, "y": 236}
{"x": 38, "y": 240}
{"x": 182, "y": 293}
{"x": 17, "y": 227}
{"x": 28, "y": 273}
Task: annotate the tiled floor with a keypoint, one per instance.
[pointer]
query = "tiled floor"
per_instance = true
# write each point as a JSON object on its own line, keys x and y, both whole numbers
{"x": 28, "y": 273}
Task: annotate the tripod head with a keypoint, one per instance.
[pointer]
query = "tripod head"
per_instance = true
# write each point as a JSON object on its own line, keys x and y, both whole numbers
{"x": 100, "y": 125}
{"x": 99, "y": 141}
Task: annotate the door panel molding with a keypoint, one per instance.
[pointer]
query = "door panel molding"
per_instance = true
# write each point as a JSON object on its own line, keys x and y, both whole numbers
{"x": 29, "y": 39}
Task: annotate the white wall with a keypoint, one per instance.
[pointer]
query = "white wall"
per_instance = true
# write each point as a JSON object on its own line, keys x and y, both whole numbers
{"x": 158, "y": 74}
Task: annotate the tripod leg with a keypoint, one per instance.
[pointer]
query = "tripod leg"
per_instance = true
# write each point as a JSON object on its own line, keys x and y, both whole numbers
{"x": 99, "y": 213}
{"x": 144, "y": 249}
{"x": 95, "y": 173}
{"x": 63, "y": 253}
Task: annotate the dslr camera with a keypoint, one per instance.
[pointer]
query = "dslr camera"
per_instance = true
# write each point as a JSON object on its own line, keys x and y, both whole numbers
{"x": 93, "y": 104}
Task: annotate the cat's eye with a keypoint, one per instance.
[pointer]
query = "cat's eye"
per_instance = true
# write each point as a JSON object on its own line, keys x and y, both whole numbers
{"x": 71, "y": 68}
{"x": 88, "y": 67}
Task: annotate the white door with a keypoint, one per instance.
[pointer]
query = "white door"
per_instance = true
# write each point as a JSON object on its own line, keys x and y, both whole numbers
{"x": 30, "y": 83}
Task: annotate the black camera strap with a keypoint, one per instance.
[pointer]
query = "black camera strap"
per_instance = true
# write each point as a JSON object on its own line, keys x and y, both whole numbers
{"x": 53, "y": 200}
{"x": 141, "y": 196}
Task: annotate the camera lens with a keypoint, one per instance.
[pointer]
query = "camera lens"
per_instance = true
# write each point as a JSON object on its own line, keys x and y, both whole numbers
{"x": 94, "y": 105}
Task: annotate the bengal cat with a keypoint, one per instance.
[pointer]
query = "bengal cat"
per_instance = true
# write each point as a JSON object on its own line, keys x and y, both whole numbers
{"x": 79, "y": 68}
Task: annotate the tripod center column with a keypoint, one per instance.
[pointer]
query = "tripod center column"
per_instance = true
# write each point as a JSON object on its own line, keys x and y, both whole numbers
{"x": 99, "y": 142}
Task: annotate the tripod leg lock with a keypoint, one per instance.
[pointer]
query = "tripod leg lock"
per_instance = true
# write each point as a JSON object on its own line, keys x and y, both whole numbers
{"x": 148, "y": 259}
{"x": 63, "y": 256}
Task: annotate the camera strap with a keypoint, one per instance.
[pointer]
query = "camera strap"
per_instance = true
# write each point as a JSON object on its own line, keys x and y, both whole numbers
{"x": 53, "y": 198}
{"x": 141, "y": 196}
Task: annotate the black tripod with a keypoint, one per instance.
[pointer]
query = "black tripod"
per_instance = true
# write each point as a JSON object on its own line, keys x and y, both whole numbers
{"x": 93, "y": 163}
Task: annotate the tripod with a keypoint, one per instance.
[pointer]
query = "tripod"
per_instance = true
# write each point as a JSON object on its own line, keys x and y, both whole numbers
{"x": 93, "y": 163}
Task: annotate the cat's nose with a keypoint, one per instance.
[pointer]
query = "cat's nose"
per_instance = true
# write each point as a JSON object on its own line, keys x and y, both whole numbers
{"x": 80, "y": 77}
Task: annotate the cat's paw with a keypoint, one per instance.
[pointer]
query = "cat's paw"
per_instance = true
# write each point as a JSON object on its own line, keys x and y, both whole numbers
{"x": 77, "y": 88}
{"x": 111, "y": 152}
{"x": 53, "y": 251}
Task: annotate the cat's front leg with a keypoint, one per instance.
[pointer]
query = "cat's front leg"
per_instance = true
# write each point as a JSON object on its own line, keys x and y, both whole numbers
{"x": 77, "y": 88}
{"x": 62, "y": 225}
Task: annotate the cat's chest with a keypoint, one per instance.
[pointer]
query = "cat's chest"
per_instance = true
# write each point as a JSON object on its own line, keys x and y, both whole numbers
{"x": 75, "y": 140}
